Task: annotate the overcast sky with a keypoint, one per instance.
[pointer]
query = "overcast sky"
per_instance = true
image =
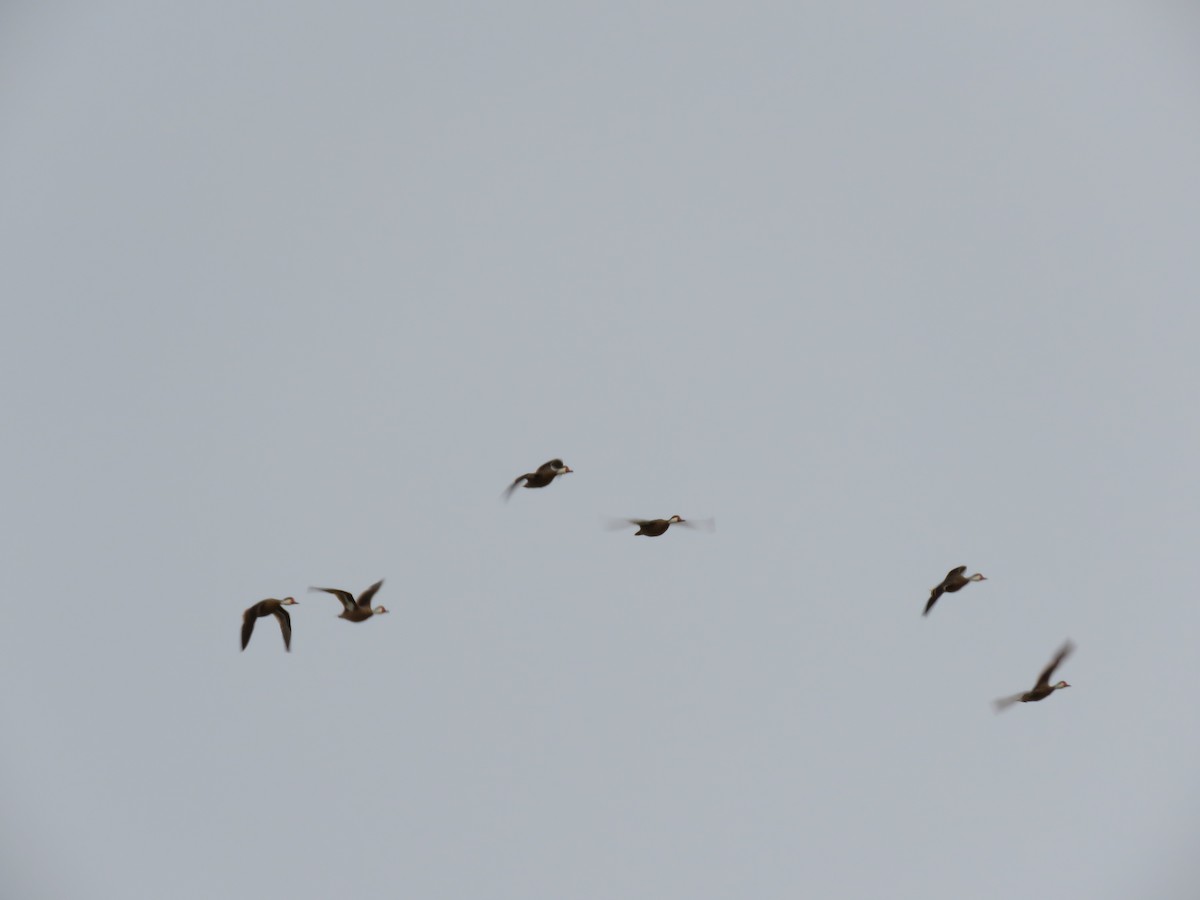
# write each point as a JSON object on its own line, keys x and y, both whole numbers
{"x": 292, "y": 291}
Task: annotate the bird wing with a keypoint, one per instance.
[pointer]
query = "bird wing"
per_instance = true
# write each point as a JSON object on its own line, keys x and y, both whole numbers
{"x": 345, "y": 596}
{"x": 516, "y": 482}
{"x": 1005, "y": 702}
{"x": 933, "y": 598}
{"x": 248, "y": 618}
{"x": 285, "y": 624}
{"x": 958, "y": 571}
{"x": 1063, "y": 653}
{"x": 364, "y": 600}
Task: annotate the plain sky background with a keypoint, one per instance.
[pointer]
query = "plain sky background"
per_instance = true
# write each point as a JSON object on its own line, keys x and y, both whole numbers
{"x": 292, "y": 291}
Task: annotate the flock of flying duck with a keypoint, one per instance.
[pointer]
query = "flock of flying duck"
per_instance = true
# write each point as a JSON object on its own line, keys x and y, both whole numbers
{"x": 360, "y": 609}
{"x": 957, "y": 579}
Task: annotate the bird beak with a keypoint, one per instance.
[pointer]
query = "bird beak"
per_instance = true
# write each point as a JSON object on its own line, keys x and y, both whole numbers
{"x": 567, "y": 469}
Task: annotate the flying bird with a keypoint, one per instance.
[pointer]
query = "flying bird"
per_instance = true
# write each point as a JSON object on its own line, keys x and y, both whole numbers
{"x": 1043, "y": 688}
{"x": 955, "y": 580}
{"x": 356, "y": 610}
{"x": 545, "y": 474}
{"x": 269, "y": 608}
{"x": 656, "y": 527}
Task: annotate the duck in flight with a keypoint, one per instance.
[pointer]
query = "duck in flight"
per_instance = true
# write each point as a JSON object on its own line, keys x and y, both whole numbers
{"x": 270, "y": 607}
{"x": 1043, "y": 688}
{"x": 545, "y": 474}
{"x": 656, "y": 527}
{"x": 955, "y": 580}
{"x": 356, "y": 610}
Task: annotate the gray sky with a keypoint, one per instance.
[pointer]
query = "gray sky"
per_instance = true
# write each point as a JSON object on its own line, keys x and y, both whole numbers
{"x": 294, "y": 290}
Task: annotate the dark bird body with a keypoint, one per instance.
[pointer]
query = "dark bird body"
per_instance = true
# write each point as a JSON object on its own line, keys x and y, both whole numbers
{"x": 545, "y": 474}
{"x": 269, "y": 608}
{"x": 955, "y": 580}
{"x": 1043, "y": 688}
{"x": 654, "y": 527}
{"x": 356, "y": 610}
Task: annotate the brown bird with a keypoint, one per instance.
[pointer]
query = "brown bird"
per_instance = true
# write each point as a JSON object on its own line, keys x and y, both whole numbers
{"x": 360, "y": 610}
{"x": 655, "y": 527}
{"x": 1043, "y": 688}
{"x": 545, "y": 474}
{"x": 269, "y": 608}
{"x": 954, "y": 581}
